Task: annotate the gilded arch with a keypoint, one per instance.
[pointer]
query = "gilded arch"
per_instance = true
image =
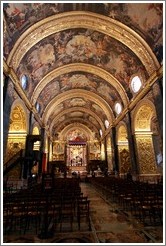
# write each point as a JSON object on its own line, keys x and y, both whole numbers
{"x": 21, "y": 115}
{"x": 142, "y": 115}
{"x": 77, "y": 93}
{"x": 17, "y": 130}
{"x": 123, "y": 148}
{"x": 81, "y": 110}
{"x": 80, "y": 67}
{"x": 143, "y": 135}
{"x": 78, "y": 121}
{"x": 76, "y": 19}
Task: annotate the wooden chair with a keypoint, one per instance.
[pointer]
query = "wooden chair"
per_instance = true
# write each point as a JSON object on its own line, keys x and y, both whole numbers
{"x": 83, "y": 211}
{"x": 67, "y": 211}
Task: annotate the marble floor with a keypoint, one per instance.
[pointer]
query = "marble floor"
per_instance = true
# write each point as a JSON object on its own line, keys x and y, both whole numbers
{"x": 109, "y": 224}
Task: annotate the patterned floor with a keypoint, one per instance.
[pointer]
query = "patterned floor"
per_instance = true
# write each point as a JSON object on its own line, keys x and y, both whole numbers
{"x": 109, "y": 224}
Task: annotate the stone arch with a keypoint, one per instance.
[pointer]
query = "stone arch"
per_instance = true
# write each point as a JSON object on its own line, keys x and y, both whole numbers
{"x": 123, "y": 149}
{"x": 36, "y": 131}
{"x": 80, "y": 67}
{"x": 22, "y": 112}
{"x": 98, "y": 119}
{"x": 77, "y": 93}
{"x": 142, "y": 127}
{"x": 17, "y": 129}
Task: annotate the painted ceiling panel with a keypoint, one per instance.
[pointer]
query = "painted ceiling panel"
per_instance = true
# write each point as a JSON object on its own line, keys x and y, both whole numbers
{"x": 20, "y": 16}
{"x": 72, "y": 122}
{"x": 78, "y": 81}
{"x": 76, "y": 72}
{"x": 80, "y": 45}
{"x": 79, "y": 102}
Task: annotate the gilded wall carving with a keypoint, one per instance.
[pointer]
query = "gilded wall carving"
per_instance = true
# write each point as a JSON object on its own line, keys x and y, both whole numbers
{"x": 142, "y": 120}
{"x": 124, "y": 158}
{"x": 94, "y": 150}
{"x": 58, "y": 151}
{"x": 18, "y": 121}
{"x": 14, "y": 146}
{"x": 146, "y": 158}
{"x": 109, "y": 153}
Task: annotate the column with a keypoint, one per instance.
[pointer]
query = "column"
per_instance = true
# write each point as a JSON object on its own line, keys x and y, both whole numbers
{"x": 7, "y": 103}
{"x": 106, "y": 157}
{"x": 42, "y": 159}
{"x": 132, "y": 146}
{"x": 30, "y": 122}
{"x": 28, "y": 150}
{"x": 158, "y": 102}
{"x": 115, "y": 150}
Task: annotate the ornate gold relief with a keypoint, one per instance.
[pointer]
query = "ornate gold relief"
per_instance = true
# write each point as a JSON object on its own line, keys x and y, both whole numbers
{"x": 143, "y": 118}
{"x": 124, "y": 159}
{"x": 109, "y": 154}
{"x": 18, "y": 121}
{"x": 14, "y": 145}
{"x": 146, "y": 156}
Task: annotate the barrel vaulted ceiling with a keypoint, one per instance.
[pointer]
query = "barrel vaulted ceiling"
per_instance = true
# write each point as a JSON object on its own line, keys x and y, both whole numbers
{"x": 79, "y": 58}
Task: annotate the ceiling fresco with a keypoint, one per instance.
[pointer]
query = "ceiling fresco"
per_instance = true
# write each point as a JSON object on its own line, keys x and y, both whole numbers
{"x": 74, "y": 74}
{"x": 79, "y": 102}
{"x": 78, "y": 81}
{"x": 83, "y": 46}
{"x": 20, "y": 16}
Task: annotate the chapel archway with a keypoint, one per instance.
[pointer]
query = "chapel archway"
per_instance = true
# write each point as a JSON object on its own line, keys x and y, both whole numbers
{"x": 143, "y": 136}
{"x": 17, "y": 131}
{"x": 123, "y": 150}
{"x": 36, "y": 131}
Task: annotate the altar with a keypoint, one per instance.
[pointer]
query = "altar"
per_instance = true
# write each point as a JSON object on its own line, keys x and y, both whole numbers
{"x": 77, "y": 169}
{"x": 76, "y": 156}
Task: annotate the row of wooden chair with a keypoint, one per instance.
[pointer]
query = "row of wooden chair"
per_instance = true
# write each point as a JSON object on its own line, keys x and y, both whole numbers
{"x": 143, "y": 200}
{"x": 39, "y": 209}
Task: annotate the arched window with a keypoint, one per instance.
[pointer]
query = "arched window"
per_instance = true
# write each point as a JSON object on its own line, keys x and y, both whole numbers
{"x": 37, "y": 107}
{"x": 107, "y": 123}
{"x": 24, "y": 81}
{"x": 136, "y": 84}
{"x": 118, "y": 108}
